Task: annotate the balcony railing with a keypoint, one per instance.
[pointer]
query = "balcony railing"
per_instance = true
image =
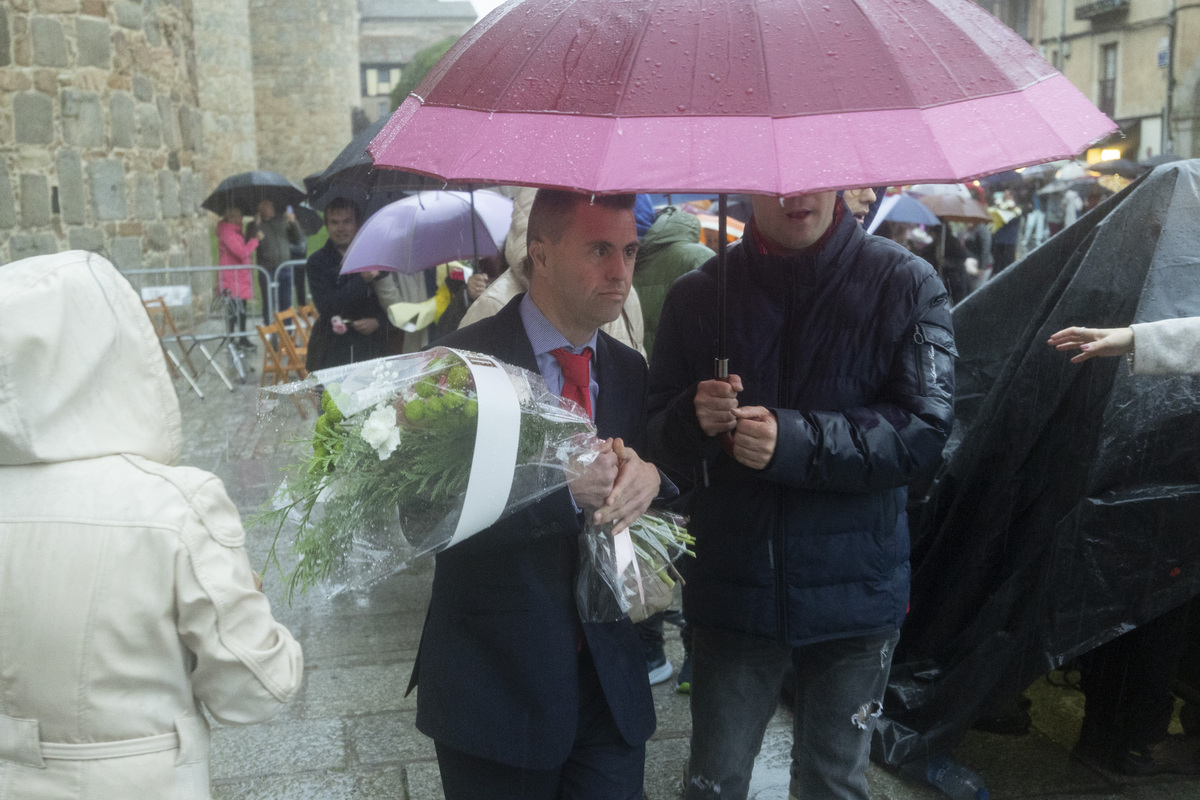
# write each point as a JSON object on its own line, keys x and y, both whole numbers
{"x": 1101, "y": 8}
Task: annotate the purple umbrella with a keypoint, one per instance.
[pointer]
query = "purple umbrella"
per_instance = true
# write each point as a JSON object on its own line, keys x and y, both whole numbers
{"x": 430, "y": 228}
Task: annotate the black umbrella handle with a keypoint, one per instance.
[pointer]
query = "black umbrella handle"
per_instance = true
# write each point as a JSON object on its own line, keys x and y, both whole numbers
{"x": 721, "y": 362}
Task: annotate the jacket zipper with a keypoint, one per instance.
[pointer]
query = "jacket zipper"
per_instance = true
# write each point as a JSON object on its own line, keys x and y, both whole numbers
{"x": 780, "y": 554}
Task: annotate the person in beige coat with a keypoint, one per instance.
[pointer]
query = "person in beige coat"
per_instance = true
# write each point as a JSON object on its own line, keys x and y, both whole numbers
{"x": 626, "y": 329}
{"x": 126, "y": 597}
{"x": 1165, "y": 347}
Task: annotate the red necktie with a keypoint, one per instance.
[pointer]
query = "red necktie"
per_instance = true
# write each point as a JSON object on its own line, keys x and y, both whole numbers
{"x": 577, "y": 372}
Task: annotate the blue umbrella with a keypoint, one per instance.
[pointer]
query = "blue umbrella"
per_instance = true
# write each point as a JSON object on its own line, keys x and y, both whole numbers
{"x": 905, "y": 208}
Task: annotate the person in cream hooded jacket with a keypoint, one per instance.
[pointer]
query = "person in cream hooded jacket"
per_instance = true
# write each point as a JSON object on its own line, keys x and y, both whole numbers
{"x": 126, "y": 597}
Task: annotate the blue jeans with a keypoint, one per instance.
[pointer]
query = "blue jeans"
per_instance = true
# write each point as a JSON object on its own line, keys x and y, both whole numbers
{"x": 735, "y": 691}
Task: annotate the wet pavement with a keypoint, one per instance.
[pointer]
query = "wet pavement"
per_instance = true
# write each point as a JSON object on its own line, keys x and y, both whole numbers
{"x": 351, "y": 732}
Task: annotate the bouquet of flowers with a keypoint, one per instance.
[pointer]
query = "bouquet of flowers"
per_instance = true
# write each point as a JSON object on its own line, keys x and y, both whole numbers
{"x": 630, "y": 573}
{"x": 413, "y": 454}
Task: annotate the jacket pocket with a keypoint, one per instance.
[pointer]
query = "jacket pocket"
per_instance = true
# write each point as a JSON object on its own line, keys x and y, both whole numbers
{"x": 935, "y": 354}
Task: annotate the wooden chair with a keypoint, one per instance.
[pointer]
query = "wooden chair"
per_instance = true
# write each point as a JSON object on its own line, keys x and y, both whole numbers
{"x": 164, "y": 325}
{"x": 280, "y": 360}
{"x": 289, "y": 318}
{"x": 307, "y": 315}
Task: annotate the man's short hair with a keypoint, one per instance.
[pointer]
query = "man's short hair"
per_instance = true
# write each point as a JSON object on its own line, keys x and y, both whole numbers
{"x": 342, "y": 203}
{"x": 552, "y": 210}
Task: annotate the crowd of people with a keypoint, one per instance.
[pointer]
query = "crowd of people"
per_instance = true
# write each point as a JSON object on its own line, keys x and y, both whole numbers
{"x": 793, "y": 470}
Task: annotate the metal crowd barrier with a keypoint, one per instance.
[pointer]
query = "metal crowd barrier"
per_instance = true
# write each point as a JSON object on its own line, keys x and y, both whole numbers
{"x": 200, "y": 311}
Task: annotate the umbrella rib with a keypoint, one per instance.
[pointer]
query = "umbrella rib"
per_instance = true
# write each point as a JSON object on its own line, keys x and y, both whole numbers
{"x": 767, "y": 88}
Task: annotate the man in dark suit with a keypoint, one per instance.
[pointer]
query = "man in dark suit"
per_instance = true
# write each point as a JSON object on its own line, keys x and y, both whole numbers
{"x": 522, "y": 699}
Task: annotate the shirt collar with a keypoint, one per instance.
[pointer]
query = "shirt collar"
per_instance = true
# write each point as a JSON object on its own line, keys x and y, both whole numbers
{"x": 543, "y": 336}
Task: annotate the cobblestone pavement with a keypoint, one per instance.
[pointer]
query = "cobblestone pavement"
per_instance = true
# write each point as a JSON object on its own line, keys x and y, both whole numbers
{"x": 351, "y": 734}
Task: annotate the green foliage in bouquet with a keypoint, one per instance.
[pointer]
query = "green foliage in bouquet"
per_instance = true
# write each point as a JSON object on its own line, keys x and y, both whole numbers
{"x": 400, "y": 466}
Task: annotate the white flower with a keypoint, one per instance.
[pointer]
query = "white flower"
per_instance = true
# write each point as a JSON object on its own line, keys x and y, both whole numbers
{"x": 380, "y": 431}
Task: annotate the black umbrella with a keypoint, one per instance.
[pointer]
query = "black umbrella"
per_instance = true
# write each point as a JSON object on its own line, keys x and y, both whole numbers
{"x": 247, "y": 189}
{"x": 1119, "y": 166}
{"x": 1161, "y": 158}
{"x": 353, "y": 176}
{"x": 310, "y": 221}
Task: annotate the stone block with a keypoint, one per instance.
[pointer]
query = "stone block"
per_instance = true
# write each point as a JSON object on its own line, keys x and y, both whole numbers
{"x": 5, "y": 41}
{"x": 383, "y": 738}
{"x": 13, "y": 81}
{"x": 129, "y": 15}
{"x": 344, "y": 691}
{"x": 173, "y": 161}
{"x": 47, "y": 243}
{"x": 107, "y": 177}
{"x": 149, "y": 126}
{"x": 176, "y": 260}
{"x": 150, "y": 23}
{"x": 34, "y": 116}
{"x": 49, "y": 43}
{"x": 93, "y": 41}
{"x": 423, "y": 780}
{"x": 303, "y": 786}
{"x": 57, "y": 6}
{"x": 200, "y": 252}
{"x": 158, "y": 236}
{"x": 124, "y": 125}
{"x": 46, "y": 81}
{"x": 188, "y": 191}
{"x": 21, "y": 245}
{"x": 35, "y": 201}
{"x": 143, "y": 88}
{"x": 126, "y": 252}
{"x": 88, "y": 239}
{"x": 191, "y": 124}
{"x": 168, "y": 188}
{"x": 82, "y": 119}
{"x": 8, "y": 210}
{"x": 147, "y": 198}
{"x": 93, "y": 8}
{"x": 71, "y": 200}
{"x": 169, "y": 124}
{"x": 278, "y": 749}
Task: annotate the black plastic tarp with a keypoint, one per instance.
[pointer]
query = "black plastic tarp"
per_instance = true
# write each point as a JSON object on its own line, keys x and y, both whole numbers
{"x": 1067, "y": 509}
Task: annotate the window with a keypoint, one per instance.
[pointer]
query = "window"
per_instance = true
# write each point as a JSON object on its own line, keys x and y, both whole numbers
{"x": 1108, "y": 79}
{"x": 1013, "y": 13}
{"x": 378, "y": 79}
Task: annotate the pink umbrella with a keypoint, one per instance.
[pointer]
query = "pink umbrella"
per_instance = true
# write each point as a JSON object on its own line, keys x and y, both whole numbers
{"x": 775, "y": 97}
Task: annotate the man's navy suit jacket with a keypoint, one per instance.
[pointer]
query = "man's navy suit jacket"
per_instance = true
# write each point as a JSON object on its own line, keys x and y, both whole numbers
{"x": 498, "y": 660}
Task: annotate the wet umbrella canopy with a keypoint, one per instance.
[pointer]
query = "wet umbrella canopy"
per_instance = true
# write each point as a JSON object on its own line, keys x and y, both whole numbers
{"x": 247, "y": 189}
{"x": 623, "y": 95}
{"x": 1066, "y": 510}
{"x": 353, "y": 176}
{"x": 430, "y": 228}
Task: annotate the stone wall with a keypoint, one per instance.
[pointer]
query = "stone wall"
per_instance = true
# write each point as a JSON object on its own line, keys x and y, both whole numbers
{"x": 225, "y": 84}
{"x": 100, "y": 136}
{"x": 305, "y": 55}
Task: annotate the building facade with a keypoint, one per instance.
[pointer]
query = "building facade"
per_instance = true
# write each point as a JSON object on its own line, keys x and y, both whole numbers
{"x": 392, "y": 32}
{"x": 1139, "y": 62}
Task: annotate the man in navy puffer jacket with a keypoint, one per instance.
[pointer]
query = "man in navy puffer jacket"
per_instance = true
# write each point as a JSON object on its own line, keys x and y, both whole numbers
{"x": 843, "y": 348}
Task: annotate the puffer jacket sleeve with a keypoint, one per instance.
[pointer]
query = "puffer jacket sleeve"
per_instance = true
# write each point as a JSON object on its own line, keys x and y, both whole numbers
{"x": 247, "y": 664}
{"x": 890, "y": 442}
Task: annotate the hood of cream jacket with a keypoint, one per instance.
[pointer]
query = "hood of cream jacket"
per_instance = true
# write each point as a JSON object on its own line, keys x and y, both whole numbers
{"x": 127, "y": 600}
{"x": 81, "y": 371}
